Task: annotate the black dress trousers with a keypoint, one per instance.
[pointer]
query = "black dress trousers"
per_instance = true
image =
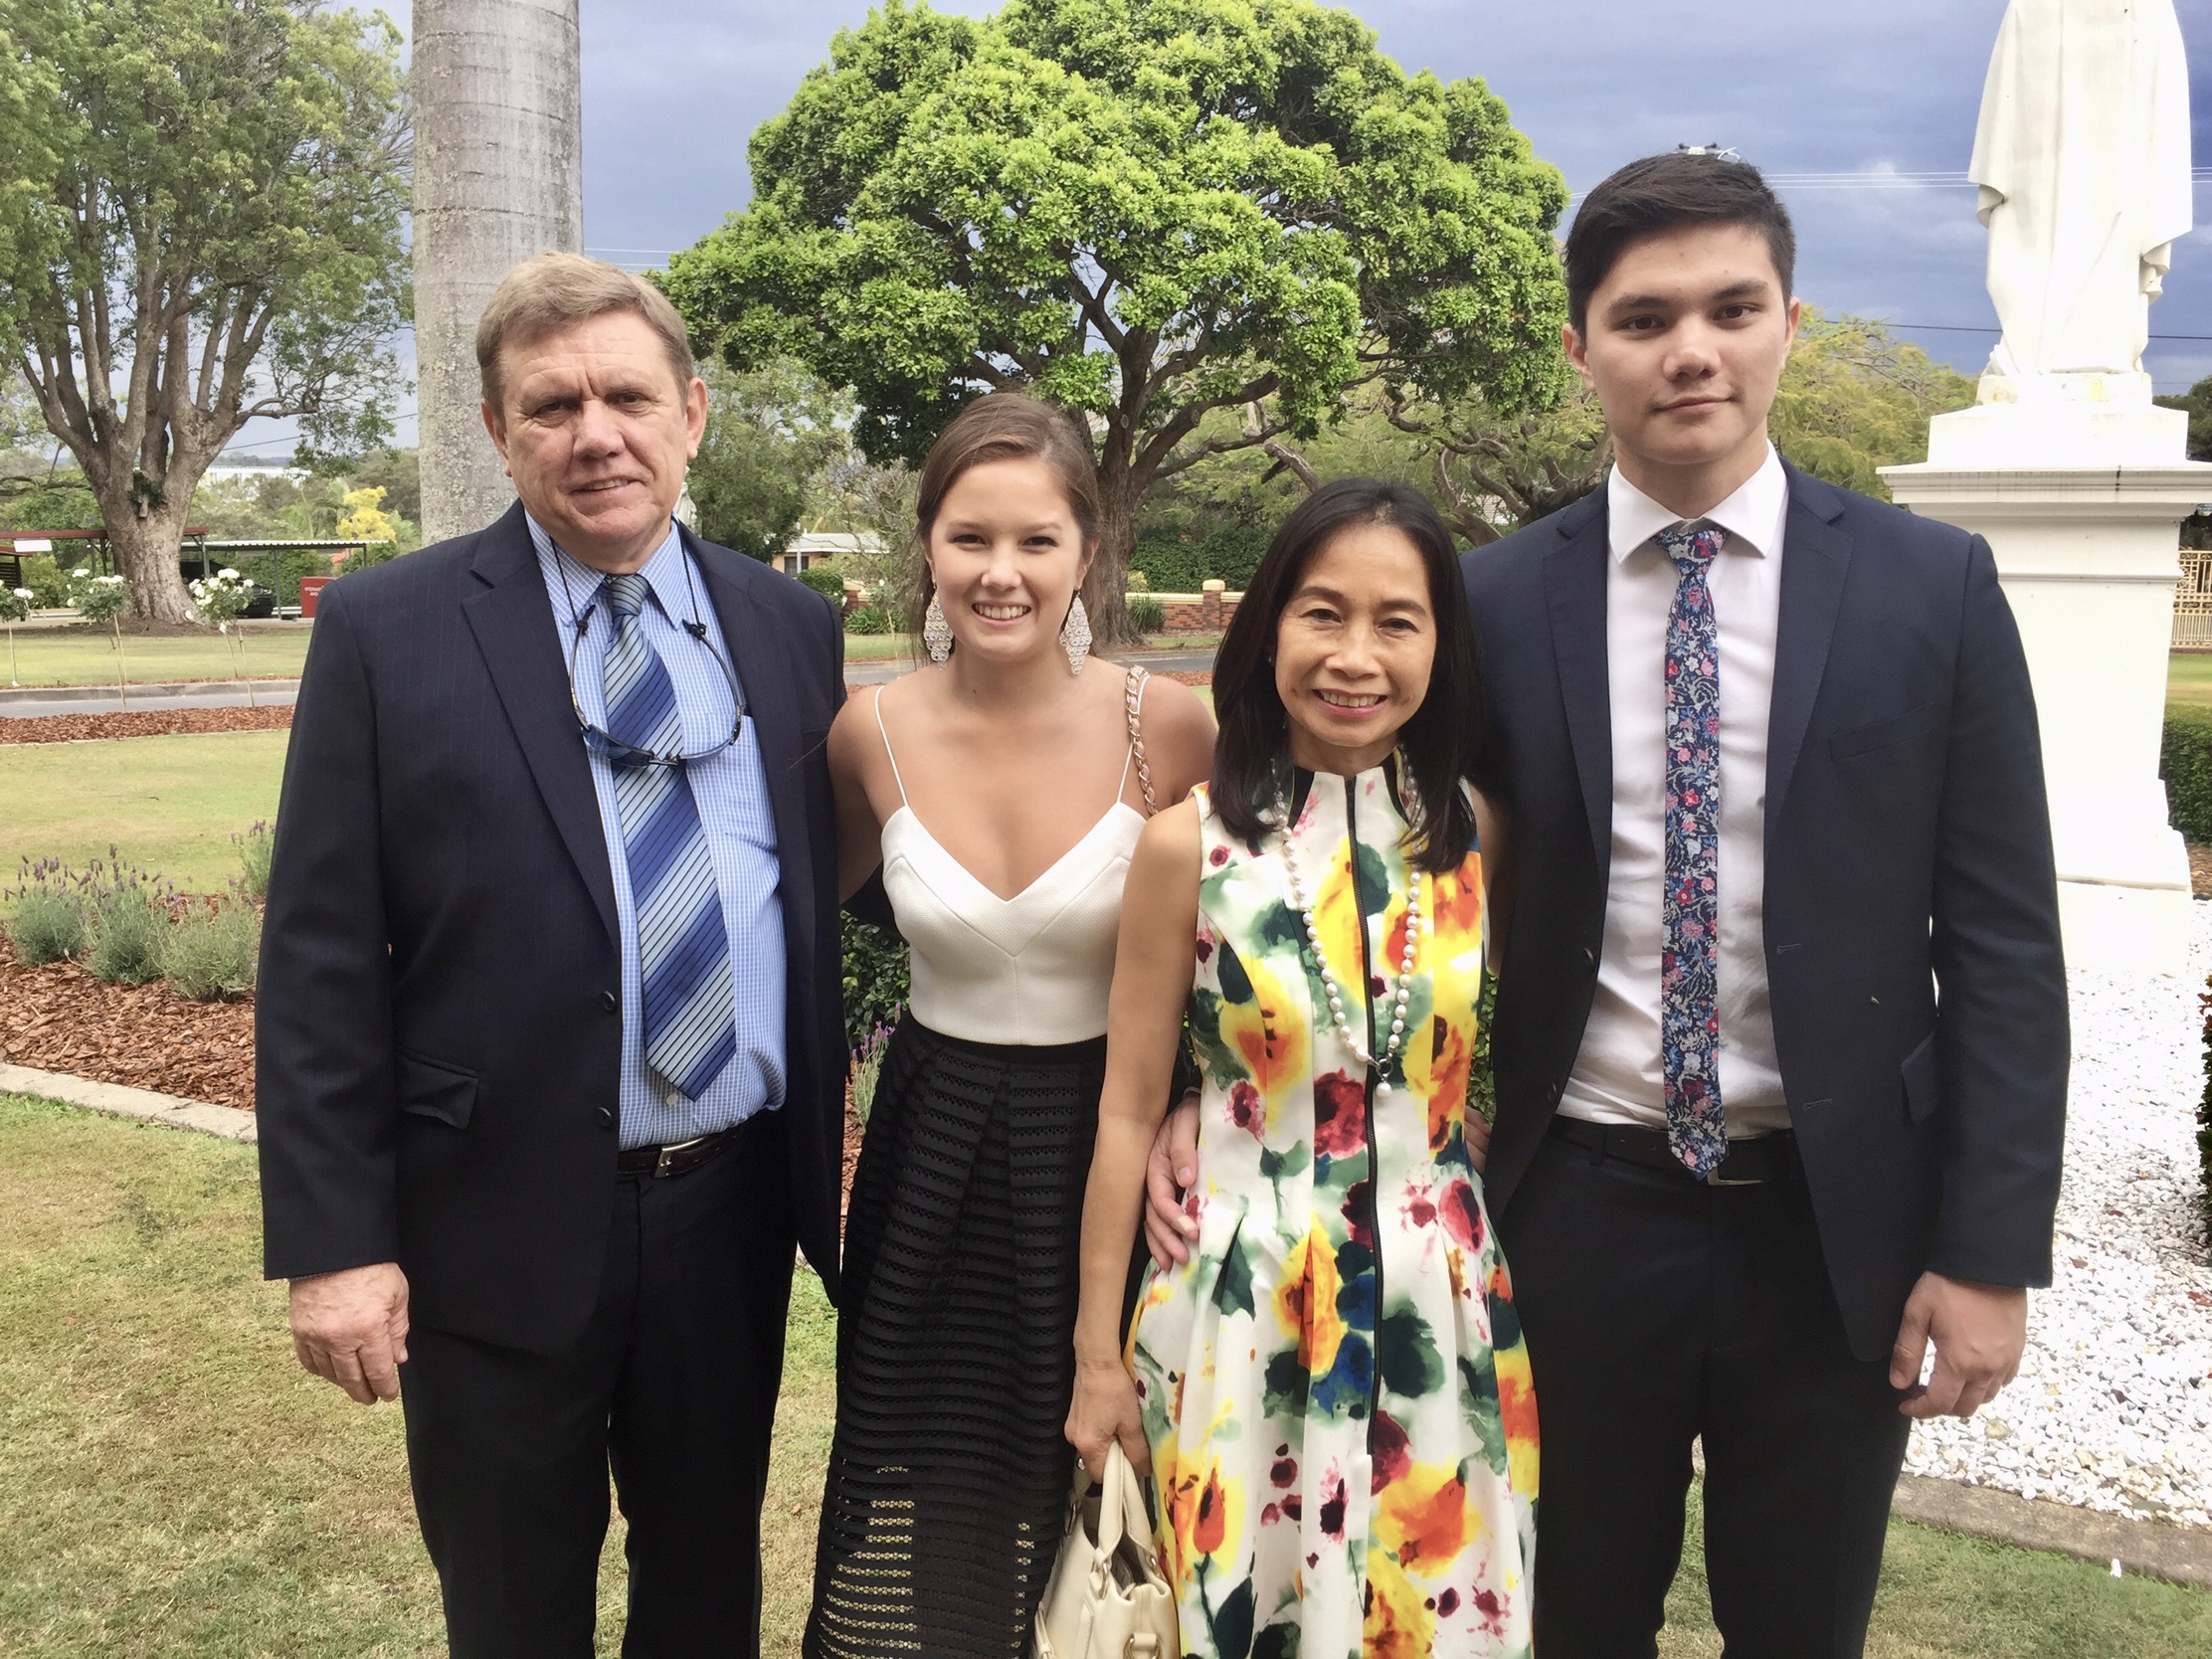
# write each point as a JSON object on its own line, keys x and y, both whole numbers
{"x": 1658, "y": 1310}
{"x": 672, "y": 1386}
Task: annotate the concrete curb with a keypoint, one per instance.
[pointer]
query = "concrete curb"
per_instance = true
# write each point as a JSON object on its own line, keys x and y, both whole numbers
{"x": 2147, "y": 1548}
{"x": 231, "y": 1123}
{"x": 151, "y": 689}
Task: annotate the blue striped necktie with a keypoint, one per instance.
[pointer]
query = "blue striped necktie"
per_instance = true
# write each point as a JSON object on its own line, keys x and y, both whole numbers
{"x": 1689, "y": 978}
{"x": 684, "y": 941}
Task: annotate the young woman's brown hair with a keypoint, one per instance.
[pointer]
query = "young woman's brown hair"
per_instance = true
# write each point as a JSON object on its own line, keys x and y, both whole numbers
{"x": 1004, "y": 426}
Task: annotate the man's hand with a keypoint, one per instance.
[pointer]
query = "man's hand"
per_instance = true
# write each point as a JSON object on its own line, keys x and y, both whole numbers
{"x": 351, "y": 1327}
{"x": 1171, "y": 1169}
{"x": 1979, "y": 1331}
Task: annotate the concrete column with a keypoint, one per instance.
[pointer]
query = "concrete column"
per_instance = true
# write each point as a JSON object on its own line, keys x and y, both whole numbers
{"x": 2081, "y": 494}
{"x": 499, "y": 177}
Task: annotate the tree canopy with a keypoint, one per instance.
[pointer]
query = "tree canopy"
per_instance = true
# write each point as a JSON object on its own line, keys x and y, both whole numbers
{"x": 1855, "y": 398}
{"x": 202, "y": 226}
{"x": 770, "y": 432}
{"x": 1148, "y": 211}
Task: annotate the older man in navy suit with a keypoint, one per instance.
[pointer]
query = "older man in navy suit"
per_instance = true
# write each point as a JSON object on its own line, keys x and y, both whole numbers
{"x": 550, "y": 1044}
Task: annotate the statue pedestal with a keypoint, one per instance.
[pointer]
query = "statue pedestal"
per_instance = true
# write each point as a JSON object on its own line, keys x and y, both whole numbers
{"x": 2081, "y": 501}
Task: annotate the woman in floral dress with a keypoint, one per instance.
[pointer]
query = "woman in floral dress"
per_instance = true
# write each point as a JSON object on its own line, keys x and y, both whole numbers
{"x": 1332, "y": 1393}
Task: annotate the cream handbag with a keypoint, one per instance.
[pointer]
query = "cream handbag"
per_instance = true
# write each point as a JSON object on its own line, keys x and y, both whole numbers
{"x": 1107, "y": 1599}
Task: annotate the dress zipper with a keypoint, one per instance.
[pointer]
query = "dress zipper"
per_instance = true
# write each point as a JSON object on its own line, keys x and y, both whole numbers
{"x": 1374, "y": 1147}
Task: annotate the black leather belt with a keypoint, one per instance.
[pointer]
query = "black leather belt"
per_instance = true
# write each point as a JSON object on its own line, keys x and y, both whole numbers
{"x": 1750, "y": 1163}
{"x": 679, "y": 1159}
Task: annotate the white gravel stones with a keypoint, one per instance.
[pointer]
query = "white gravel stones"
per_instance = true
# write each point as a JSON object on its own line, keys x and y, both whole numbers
{"x": 2113, "y": 1407}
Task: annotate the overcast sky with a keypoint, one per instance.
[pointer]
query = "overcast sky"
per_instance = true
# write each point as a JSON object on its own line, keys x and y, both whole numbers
{"x": 674, "y": 89}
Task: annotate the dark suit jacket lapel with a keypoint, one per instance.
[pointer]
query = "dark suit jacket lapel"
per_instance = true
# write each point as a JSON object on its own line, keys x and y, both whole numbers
{"x": 1816, "y": 560}
{"x": 512, "y": 620}
{"x": 1574, "y": 591}
{"x": 767, "y": 669}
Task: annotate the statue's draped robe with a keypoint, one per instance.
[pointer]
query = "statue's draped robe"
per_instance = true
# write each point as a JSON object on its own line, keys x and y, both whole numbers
{"x": 2082, "y": 159}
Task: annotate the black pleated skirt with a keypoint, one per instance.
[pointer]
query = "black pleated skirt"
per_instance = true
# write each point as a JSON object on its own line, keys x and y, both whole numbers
{"x": 948, "y": 1478}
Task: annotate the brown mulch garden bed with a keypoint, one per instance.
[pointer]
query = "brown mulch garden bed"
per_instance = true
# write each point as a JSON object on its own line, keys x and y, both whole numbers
{"x": 1190, "y": 676}
{"x": 59, "y": 1019}
{"x": 2200, "y": 870}
{"x": 80, "y": 728}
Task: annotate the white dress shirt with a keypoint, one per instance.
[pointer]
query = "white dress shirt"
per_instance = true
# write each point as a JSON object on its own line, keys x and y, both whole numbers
{"x": 1616, "y": 1076}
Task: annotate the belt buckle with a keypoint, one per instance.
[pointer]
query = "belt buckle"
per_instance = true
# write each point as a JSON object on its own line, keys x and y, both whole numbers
{"x": 1713, "y": 1178}
{"x": 660, "y": 1164}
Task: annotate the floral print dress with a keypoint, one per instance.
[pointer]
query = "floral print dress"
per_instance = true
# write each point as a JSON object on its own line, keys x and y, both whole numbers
{"x": 1334, "y": 1386}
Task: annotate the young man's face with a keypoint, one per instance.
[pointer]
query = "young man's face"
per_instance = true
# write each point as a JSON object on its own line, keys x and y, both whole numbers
{"x": 1684, "y": 345}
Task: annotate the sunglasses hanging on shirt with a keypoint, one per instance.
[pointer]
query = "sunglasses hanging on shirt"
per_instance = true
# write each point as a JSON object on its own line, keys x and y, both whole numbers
{"x": 605, "y": 744}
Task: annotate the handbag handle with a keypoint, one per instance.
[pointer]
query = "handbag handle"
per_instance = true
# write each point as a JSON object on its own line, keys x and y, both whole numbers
{"x": 1120, "y": 1496}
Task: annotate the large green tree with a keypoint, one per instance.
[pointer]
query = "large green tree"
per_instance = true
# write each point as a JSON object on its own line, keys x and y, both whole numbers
{"x": 770, "y": 432}
{"x": 1148, "y": 211}
{"x": 199, "y": 224}
{"x": 1855, "y": 398}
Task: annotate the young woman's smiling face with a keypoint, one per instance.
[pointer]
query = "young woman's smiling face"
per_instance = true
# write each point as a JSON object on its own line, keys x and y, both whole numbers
{"x": 1007, "y": 557}
{"x": 1353, "y": 647}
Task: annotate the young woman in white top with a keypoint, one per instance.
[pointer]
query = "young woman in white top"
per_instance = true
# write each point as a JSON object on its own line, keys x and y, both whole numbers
{"x": 1002, "y": 790}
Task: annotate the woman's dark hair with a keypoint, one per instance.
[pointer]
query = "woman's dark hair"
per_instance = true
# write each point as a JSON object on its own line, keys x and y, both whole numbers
{"x": 1441, "y": 742}
{"x": 1665, "y": 193}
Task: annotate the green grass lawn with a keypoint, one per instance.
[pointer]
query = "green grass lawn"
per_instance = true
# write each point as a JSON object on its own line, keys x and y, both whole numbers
{"x": 2189, "y": 680}
{"x": 80, "y": 657}
{"x": 172, "y": 1484}
{"x": 170, "y": 803}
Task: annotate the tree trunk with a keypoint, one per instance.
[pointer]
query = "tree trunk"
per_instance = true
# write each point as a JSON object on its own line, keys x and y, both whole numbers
{"x": 1106, "y": 592}
{"x": 498, "y": 178}
{"x": 148, "y": 554}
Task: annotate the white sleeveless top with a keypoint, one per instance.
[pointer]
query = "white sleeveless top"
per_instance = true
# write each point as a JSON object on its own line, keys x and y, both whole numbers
{"x": 1029, "y": 971}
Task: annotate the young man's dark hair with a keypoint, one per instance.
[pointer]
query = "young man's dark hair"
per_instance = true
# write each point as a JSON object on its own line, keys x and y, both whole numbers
{"x": 1664, "y": 192}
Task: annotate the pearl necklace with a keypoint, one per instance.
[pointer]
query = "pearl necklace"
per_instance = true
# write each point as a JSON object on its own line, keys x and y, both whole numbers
{"x": 1395, "y": 999}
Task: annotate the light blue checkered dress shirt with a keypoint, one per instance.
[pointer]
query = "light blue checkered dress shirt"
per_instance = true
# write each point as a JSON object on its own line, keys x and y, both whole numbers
{"x": 731, "y": 787}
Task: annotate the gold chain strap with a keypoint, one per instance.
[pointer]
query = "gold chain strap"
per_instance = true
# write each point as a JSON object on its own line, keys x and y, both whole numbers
{"x": 1133, "y": 692}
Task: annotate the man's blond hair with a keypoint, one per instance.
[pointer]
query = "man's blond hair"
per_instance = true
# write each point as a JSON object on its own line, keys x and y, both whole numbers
{"x": 553, "y": 291}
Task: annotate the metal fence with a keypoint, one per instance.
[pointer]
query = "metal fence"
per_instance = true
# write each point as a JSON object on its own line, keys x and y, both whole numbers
{"x": 2192, "y": 601}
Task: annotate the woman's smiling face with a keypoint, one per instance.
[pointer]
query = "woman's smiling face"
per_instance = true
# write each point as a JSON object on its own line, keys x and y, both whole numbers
{"x": 1006, "y": 558}
{"x": 1354, "y": 648}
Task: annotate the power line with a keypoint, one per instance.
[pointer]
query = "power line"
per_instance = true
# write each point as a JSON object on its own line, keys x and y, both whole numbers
{"x": 1991, "y": 328}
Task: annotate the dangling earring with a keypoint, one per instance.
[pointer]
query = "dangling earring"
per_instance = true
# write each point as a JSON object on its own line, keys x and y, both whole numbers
{"x": 937, "y": 633}
{"x": 1076, "y": 637}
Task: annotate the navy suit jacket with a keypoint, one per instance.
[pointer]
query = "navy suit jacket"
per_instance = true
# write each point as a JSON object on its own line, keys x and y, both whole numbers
{"x": 438, "y": 1029}
{"x": 1910, "y": 903}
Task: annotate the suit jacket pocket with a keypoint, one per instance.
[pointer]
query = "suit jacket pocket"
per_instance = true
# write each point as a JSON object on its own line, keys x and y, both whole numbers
{"x": 1923, "y": 1090}
{"x": 432, "y": 1089}
{"x": 1883, "y": 734}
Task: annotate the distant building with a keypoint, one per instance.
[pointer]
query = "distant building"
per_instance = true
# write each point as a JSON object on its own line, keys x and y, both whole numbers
{"x": 819, "y": 547}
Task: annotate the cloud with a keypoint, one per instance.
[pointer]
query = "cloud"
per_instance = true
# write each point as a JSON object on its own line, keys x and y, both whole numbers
{"x": 674, "y": 88}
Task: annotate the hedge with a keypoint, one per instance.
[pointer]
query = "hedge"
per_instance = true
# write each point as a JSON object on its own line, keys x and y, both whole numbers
{"x": 2185, "y": 762}
{"x": 875, "y": 978}
{"x": 1230, "y": 555}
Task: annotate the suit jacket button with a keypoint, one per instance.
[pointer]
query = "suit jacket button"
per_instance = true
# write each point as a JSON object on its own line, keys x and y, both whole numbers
{"x": 609, "y": 1000}
{"x": 605, "y": 1118}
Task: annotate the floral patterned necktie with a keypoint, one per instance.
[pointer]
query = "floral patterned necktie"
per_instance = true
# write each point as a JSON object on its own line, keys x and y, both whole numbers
{"x": 1689, "y": 1000}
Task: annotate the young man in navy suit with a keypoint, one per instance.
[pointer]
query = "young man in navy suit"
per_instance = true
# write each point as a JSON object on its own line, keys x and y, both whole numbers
{"x": 1781, "y": 1043}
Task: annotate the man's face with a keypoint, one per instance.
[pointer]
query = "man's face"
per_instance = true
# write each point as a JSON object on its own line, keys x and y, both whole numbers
{"x": 596, "y": 433}
{"x": 1684, "y": 345}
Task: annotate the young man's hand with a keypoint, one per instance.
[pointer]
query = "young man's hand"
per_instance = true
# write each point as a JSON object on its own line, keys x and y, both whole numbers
{"x": 1979, "y": 1331}
{"x": 351, "y": 1328}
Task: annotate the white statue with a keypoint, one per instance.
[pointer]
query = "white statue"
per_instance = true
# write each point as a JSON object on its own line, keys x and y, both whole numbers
{"x": 2082, "y": 159}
